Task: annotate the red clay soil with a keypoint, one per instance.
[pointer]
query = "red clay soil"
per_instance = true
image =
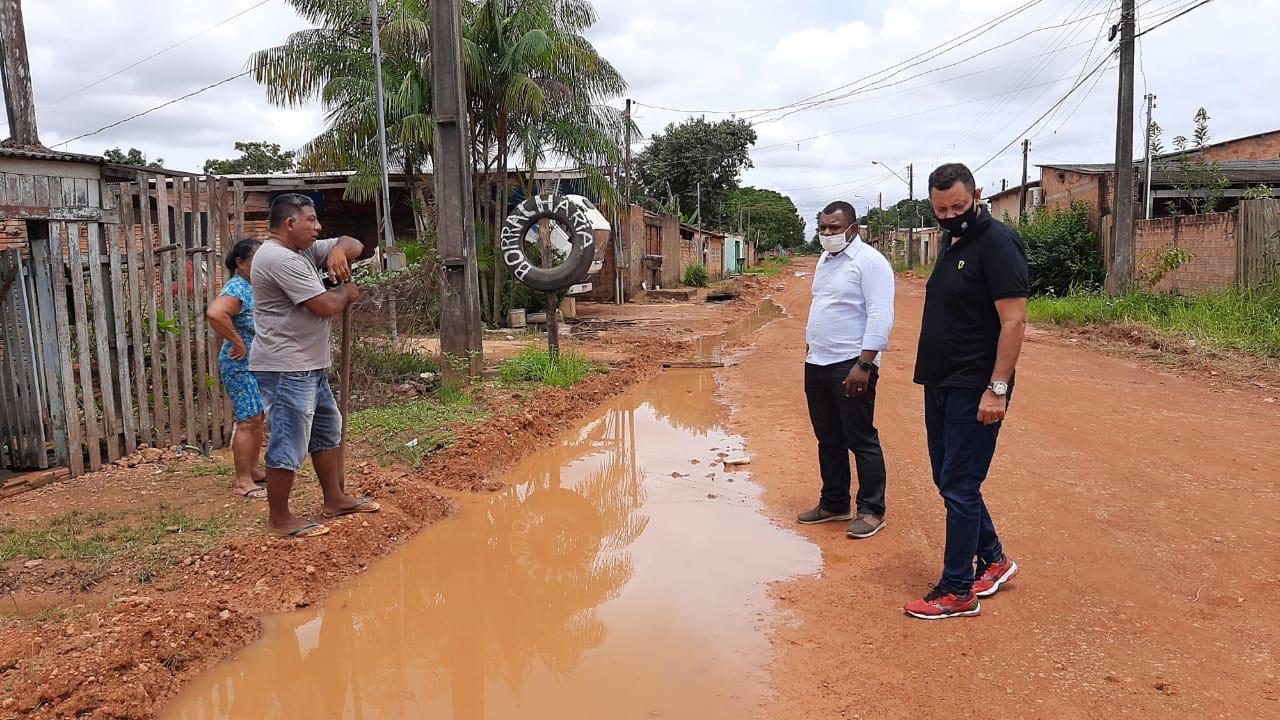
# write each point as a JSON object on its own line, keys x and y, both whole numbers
{"x": 120, "y": 649}
{"x": 1142, "y": 506}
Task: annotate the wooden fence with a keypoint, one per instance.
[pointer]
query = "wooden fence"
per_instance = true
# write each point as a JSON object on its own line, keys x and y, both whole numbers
{"x": 106, "y": 333}
{"x": 1258, "y": 242}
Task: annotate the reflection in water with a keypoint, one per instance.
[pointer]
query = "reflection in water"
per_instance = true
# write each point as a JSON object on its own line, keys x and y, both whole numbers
{"x": 616, "y": 579}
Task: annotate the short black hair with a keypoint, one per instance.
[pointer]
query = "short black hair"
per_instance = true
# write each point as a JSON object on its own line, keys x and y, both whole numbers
{"x": 950, "y": 174}
{"x": 242, "y": 250}
{"x": 285, "y": 207}
{"x": 841, "y": 206}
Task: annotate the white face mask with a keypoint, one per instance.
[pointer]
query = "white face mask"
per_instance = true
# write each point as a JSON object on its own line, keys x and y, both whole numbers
{"x": 834, "y": 243}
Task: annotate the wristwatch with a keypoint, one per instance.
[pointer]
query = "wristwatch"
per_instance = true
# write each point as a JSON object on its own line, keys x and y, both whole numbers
{"x": 999, "y": 387}
{"x": 866, "y": 365}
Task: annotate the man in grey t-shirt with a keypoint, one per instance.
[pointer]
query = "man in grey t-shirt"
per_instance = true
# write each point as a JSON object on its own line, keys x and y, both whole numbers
{"x": 291, "y": 359}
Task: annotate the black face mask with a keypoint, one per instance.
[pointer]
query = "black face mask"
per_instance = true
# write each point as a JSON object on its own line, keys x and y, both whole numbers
{"x": 958, "y": 225}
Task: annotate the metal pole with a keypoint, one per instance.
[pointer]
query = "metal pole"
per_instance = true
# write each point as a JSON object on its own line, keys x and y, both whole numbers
{"x": 1121, "y": 271}
{"x": 460, "y": 337}
{"x": 388, "y": 234}
{"x": 1022, "y": 191}
{"x": 911, "y": 231}
{"x": 624, "y": 248}
{"x": 1146, "y": 195}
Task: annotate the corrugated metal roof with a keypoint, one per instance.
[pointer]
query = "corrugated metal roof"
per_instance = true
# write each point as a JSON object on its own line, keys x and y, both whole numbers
{"x": 51, "y": 155}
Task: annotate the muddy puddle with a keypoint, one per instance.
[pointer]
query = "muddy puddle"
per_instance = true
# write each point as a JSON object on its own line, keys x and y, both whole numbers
{"x": 624, "y": 575}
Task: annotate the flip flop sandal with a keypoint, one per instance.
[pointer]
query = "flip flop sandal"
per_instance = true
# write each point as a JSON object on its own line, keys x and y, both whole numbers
{"x": 257, "y": 492}
{"x": 311, "y": 529}
{"x": 363, "y": 505}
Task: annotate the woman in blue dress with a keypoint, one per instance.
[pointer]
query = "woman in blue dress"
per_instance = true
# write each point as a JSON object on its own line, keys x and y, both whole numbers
{"x": 231, "y": 316}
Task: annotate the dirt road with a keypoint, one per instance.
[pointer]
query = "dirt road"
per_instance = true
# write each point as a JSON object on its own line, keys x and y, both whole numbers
{"x": 1143, "y": 507}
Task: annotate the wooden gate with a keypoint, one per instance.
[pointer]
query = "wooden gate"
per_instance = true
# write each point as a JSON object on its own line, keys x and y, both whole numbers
{"x": 24, "y": 416}
{"x": 133, "y": 359}
{"x": 1258, "y": 242}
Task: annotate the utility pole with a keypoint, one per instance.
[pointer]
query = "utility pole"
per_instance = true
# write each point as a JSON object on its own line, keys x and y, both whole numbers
{"x": 388, "y": 234}
{"x": 1146, "y": 194}
{"x": 460, "y": 337}
{"x": 699, "y": 210}
{"x": 1120, "y": 274}
{"x": 15, "y": 73}
{"x": 880, "y": 203}
{"x": 911, "y": 231}
{"x": 1022, "y": 191}
{"x": 622, "y": 249}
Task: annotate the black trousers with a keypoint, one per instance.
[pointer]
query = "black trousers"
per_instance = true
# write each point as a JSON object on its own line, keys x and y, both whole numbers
{"x": 843, "y": 425}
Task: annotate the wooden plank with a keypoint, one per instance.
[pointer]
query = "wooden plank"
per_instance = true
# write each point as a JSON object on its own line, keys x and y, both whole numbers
{"x": 42, "y": 191}
{"x": 95, "y": 197}
{"x": 132, "y": 258}
{"x": 170, "y": 341}
{"x": 183, "y": 310}
{"x": 30, "y": 358}
{"x": 119, "y": 298}
{"x": 225, "y": 204}
{"x": 239, "y": 210}
{"x": 93, "y": 429}
{"x": 58, "y": 242}
{"x": 217, "y": 277}
{"x": 49, "y": 345}
{"x": 11, "y": 187}
{"x": 26, "y": 190}
{"x": 100, "y": 297}
{"x": 18, "y": 430}
{"x": 81, "y": 191}
{"x": 200, "y": 337}
{"x": 8, "y": 399}
{"x": 151, "y": 279}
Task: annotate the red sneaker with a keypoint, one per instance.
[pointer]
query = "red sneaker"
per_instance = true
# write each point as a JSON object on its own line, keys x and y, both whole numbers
{"x": 938, "y": 605}
{"x": 991, "y": 575}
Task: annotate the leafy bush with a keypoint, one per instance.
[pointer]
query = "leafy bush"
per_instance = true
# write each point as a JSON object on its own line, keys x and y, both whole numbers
{"x": 536, "y": 365}
{"x": 696, "y": 276}
{"x": 1063, "y": 254}
{"x": 391, "y": 362}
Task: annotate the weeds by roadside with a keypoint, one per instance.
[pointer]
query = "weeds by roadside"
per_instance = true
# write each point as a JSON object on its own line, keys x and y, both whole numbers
{"x": 770, "y": 267}
{"x": 1237, "y": 319}
{"x": 412, "y": 431}
{"x": 536, "y": 365}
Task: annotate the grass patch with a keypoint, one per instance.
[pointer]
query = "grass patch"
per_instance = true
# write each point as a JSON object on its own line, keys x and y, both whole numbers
{"x": 1236, "y": 319}
{"x": 101, "y": 538}
{"x": 386, "y": 361}
{"x": 412, "y": 431}
{"x": 770, "y": 267}
{"x": 534, "y": 364}
{"x": 211, "y": 470}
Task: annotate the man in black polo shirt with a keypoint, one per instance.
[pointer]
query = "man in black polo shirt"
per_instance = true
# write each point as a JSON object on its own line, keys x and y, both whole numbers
{"x": 975, "y": 311}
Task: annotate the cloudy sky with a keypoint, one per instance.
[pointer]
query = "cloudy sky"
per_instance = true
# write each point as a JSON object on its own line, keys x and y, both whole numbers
{"x": 900, "y": 81}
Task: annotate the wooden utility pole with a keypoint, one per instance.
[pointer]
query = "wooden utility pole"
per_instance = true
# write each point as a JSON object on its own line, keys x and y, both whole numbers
{"x": 1022, "y": 191}
{"x": 460, "y": 337}
{"x": 15, "y": 73}
{"x": 1120, "y": 273}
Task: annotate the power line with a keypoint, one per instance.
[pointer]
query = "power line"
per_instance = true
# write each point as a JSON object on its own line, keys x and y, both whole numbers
{"x": 150, "y": 110}
{"x": 1166, "y": 21}
{"x": 1097, "y": 69}
{"x": 154, "y": 55}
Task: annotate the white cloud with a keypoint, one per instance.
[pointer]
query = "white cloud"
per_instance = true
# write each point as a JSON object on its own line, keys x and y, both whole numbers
{"x": 710, "y": 54}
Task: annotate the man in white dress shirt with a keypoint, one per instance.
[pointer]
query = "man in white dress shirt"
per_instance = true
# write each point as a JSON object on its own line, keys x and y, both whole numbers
{"x": 849, "y": 323}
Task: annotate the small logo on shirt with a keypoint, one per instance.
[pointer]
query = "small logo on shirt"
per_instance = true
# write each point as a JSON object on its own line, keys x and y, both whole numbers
{"x": 960, "y": 266}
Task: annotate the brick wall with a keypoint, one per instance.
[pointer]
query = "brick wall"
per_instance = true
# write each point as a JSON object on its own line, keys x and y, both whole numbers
{"x": 1063, "y": 187}
{"x": 13, "y": 234}
{"x": 1262, "y": 147}
{"x": 690, "y": 249}
{"x": 1210, "y": 240}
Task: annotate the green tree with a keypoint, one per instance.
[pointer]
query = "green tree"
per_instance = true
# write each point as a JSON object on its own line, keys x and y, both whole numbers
{"x": 255, "y": 158}
{"x": 697, "y": 163}
{"x": 1063, "y": 254}
{"x": 1200, "y": 184}
{"x": 133, "y": 157}
{"x": 771, "y": 213}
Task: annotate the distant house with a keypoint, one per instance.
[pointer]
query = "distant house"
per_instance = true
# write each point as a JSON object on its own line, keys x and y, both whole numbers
{"x": 1004, "y": 204}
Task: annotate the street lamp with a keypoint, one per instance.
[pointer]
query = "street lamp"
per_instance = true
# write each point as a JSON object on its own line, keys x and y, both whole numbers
{"x": 911, "y": 195}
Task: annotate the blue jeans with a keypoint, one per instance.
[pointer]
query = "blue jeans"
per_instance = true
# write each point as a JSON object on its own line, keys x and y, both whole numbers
{"x": 961, "y": 449}
{"x": 302, "y": 415}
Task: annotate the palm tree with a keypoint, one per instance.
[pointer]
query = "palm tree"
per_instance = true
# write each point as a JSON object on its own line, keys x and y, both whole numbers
{"x": 536, "y": 83}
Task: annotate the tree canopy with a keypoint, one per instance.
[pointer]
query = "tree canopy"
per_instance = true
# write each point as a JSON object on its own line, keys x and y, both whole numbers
{"x": 255, "y": 158}
{"x": 771, "y": 213}
{"x": 133, "y": 157}
{"x": 694, "y": 160}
